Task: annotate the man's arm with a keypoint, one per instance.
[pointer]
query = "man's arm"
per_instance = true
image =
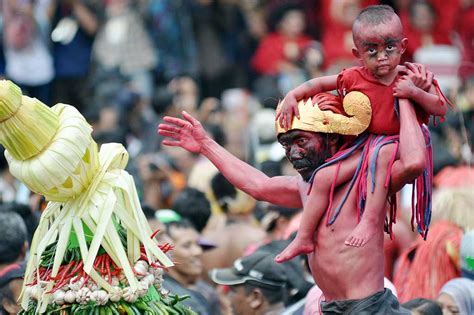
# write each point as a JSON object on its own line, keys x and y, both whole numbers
{"x": 189, "y": 134}
{"x": 412, "y": 149}
{"x": 305, "y": 90}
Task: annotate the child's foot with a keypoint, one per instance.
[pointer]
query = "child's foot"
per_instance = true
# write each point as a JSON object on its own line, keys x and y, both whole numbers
{"x": 362, "y": 233}
{"x": 297, "y": 247}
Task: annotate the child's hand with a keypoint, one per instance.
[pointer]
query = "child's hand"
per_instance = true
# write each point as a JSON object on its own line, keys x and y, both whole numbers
{"x": 327, "y": 100}
{"x": 419, "y": 75}
{"x": 404, "y": 88}
{"x": 288, "y": 110}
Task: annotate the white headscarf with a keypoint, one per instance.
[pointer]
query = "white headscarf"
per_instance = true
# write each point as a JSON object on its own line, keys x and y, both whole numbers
{"x": 462, "y": 292}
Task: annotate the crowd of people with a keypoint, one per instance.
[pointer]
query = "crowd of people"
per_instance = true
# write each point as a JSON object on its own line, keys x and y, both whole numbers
{"x": 125, "y": 64}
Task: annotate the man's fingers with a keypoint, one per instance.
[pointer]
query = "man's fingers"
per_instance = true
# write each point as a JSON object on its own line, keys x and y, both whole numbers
{"x": 297, "y": 113}
{"x": 170, "y": 143}
{"x": 429, "y": 79}
{"x": 190, "y": 118}
{"x": 169, "y": 134}
{"x": 168, "y": 128}
{"x": 175, "y": 121}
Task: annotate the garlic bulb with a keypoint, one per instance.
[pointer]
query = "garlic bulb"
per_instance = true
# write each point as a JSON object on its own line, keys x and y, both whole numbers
{"x": 76, "y": 284}
{"x": 101, "y": 297}
{"x": 129, "y": 295}
{"x": 149, "y": 278}
{"x": 92, "y": 286}
{"x": 142, "y": 289}
{"x": 83, "y": 295}
{"x": 70, "y": 297}
{"x": 115, "y": 295}
{"x": 141, "y": 268}
{"x": 35, "y": 292}
{"x": 58, "y": 297}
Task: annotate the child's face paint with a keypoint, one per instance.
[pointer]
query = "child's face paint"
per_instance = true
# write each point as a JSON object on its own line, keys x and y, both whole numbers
{"x": 380, "y": 48}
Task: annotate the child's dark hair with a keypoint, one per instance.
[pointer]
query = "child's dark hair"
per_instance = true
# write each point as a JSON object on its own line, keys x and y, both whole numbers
{"x": 375, "y": 14}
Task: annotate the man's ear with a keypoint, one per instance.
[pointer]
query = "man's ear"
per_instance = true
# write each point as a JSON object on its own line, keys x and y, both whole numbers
{"x": 404, "y": 44}
{"x": 24, "y": 249}
{"x": 355, "y": 52}
{"x": 334, "y": 139}
{"x": 256, "y": 298}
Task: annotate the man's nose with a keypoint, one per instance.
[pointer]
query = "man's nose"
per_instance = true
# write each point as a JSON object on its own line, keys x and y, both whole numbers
{"x": 295, "y": 152}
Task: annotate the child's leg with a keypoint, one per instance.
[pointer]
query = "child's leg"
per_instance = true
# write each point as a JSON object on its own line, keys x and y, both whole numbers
{"x": 411, "y": 162}
{"x": 316, "y": 206}
{"x": 376, "y": 202}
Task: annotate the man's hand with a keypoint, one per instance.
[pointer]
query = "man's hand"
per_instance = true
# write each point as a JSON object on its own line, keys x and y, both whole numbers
{"x": 287, "y": 110}
{"x": 418, "y": 74}
{"x": 188, "y": 134}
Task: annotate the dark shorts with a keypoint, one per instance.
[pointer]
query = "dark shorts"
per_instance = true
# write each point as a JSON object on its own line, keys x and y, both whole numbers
{"x": 380, "y": 303}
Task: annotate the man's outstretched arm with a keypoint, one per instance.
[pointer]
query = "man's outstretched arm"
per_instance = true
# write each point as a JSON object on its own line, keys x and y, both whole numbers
{"x": 189, "y": 134}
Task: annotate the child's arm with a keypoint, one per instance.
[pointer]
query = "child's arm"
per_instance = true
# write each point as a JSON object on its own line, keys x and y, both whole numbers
{"x": 413, "y": 86}
{"x": 289, "y": 106}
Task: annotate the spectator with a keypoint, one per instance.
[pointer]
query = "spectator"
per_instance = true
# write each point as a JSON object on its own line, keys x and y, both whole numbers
{"x": 457, "y": 297}
{"x": 193, "y": 205}
{"x": 74, "y": 25}
{"x": 257, "y": 284}
{"x": 11, "y": 280}
{"x": 13, "y": 239}
{"x": 223, "y": 46}
{"x": 171, "y": 29}
{"x": 185, "y": 277}
{"x": 30, "y": 218}
{"x": 420, "y": 276}
{"x": 423, "y": 307}
{"x": 279, "y": 55}
{"x": 28, "y": 60}
{"x": 422, "y": 29}
{"x": 236, "y": 231}
{"x": 123, "y": 50}
{"x": 337, "y": 18}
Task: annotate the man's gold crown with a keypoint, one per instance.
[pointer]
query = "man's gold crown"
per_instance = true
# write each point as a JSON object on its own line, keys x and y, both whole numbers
{"x": 312, "y": 118}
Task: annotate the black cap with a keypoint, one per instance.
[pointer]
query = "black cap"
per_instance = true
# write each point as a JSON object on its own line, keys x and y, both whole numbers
{"x": 258, "y": 268}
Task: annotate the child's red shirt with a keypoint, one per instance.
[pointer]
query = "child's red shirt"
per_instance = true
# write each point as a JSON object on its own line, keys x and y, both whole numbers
{"x": 384, "y": 117}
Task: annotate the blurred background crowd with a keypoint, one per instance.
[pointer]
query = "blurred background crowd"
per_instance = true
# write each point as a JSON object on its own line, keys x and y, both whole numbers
{"x": 124, "y": 64}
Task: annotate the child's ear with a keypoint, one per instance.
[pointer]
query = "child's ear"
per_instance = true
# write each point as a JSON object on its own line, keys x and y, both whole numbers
{"x": 355, "y": 52}
{"x": 404, "y": 44}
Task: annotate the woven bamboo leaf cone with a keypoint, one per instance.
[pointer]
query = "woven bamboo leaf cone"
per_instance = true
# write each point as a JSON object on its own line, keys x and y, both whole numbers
{"x": 93, "y": 248}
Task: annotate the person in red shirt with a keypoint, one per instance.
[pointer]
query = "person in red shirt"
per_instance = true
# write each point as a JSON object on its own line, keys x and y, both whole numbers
{"x": 378, "y": 37}
{"x": 280, "y": 50}
{"x": 423, "y": 27}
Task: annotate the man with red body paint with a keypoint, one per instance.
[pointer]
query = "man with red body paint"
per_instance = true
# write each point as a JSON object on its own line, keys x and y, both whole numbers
{"x": 345, "y": 274}
{"x": 351, "y": 278}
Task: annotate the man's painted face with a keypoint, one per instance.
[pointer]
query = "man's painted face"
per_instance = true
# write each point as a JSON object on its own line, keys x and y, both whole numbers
{"x": 305, "y": 150}
{"x": 380, "y": 47}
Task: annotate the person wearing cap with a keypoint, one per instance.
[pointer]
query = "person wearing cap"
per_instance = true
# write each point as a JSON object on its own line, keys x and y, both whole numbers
{"x": 11, "y": 281}
{"x": 185, "y": 278}
{"x": 351, "y": 278}
{"x": 13, "y": 248}
{"x": 257, "y": 284}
